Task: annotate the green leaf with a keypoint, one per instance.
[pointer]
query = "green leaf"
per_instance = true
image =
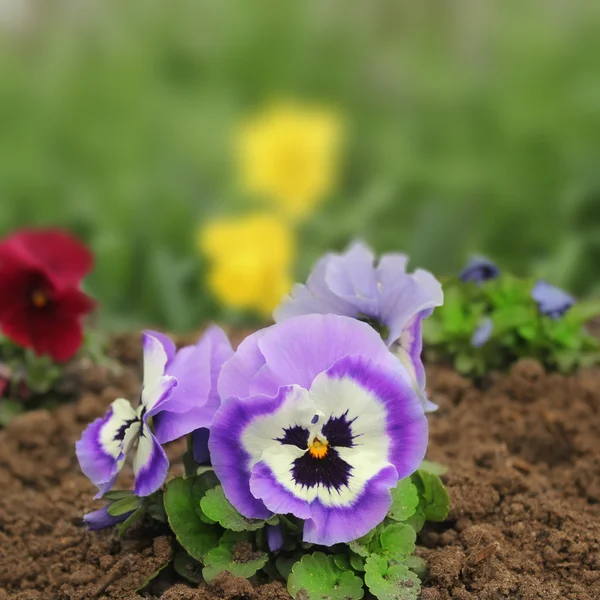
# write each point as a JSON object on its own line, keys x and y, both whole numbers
{"x": 224, "y": 558}
{"x": 116, "y": 495}
{"x": 124, "y": 505}
{"x": 435, "y": 496}
{"x": 182, "y": 507}
{"x": 394, "y": 582}
{"x": 342, "y": 562}
{"x": 417, "y": 565}
{"x": 188, "y": 567}
{"x": 317, "y": 577}
{"x": 284, "y": 566}
{"x": 130, "y": 521}
{"x": 356, "y": 562}
{"x": 361, "y": 546}
{"x": 156, "y": 507}
{"x": 9, "y": 409}
{"x": 398, "y": 541}
{"x": 433, "y": 467}
{"x": 216, "y": 506}
{"x": 405, "y": 499}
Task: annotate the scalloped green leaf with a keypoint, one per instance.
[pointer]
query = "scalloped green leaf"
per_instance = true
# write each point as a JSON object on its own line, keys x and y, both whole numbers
{"x": 317, "y": 577}
{"x": 417, "y": 565}
{"x": 395, "y": 582}
{"x": 342, "y": 561}
{"x": 216, "y": 507}
{"x": 182, "y": 507}
{"x": 223, "y": 558}
{"x": 362, "y": 546}
{"x": 398, "y": 541}
{"x": 405, "y": 499}
{"x": 357, "y": 562}
{"x": 436, "y": 500}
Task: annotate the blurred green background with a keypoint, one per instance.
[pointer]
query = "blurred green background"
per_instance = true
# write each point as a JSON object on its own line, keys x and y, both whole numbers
{"x": 473, "y": 126}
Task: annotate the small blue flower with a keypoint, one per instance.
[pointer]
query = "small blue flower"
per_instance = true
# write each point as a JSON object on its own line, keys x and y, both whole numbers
{"x": 552, "y": 301}
{"x": 483, "y": 332}
{"x": 102, "y": 519}
{"x": 479, "y": 269}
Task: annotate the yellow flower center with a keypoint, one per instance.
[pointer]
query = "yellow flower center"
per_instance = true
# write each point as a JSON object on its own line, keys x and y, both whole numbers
{"x": 318, "y": 449}
{"x": 39, "y": 299}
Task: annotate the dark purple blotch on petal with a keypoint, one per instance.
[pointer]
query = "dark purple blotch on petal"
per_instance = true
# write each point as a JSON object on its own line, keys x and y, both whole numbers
{"x": 331, "y": 470}
{"x": 479, "y": 269}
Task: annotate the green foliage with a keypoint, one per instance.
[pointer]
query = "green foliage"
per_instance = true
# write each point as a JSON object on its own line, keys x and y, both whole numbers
{"x": 518, "y": 329}
{"x": 405, "y": 499}
{"x": 391, "y": 581}
{"x": 317, "y": 577}
{"x": 214, "y": 538}
{"x": 216, "y": 506}
{"x": 232, "y": 558}
{"x": 182, "y": 504}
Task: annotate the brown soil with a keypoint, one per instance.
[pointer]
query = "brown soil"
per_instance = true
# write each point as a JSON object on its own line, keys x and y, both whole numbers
{"x": 524, "y": 482}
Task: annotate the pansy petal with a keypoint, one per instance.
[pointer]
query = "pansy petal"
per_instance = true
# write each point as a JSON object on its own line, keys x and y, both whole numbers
{"x": 237, "y": 373}
{"x": 274, "y": 537}
{"x": 329, "y": 337}
{"x": 157, "y": 385}
{"x": 102, "y": 519}
{"x": 483, "y": 332}
{"x": 551, "y": 300}
{"x": 240, "y": 433}
{"x": 479, "y": 269}
{"x": 100, "y": 449}
{"x": 169, "y": 426}
{"x": 351, "y": 276}
{"x": 150, "y": 463}
{"x": 167, "y": 343}
{"x": 403, "y": 297}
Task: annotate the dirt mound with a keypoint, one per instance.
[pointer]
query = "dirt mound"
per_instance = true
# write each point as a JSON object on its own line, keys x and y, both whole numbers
{"x": 524, "y": 482}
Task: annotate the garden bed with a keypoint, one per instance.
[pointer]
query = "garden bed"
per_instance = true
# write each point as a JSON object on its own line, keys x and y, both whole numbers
{"x": 524, "y": 483}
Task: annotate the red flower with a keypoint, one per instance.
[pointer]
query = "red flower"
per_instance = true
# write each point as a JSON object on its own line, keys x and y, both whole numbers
{"x": 41, "y": 303}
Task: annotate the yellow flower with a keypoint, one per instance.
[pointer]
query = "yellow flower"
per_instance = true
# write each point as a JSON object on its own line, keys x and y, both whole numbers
{"x": 289, "y": 154}
{"x": 251, "y": 259}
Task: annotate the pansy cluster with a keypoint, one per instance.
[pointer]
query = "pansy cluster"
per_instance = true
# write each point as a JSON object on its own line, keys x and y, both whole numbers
{"x": 41, "y": 310}
{"x": 305, "y": 445}
{"x": 490, "y": 319}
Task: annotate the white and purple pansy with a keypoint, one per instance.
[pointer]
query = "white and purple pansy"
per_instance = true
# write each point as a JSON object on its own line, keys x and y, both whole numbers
{"x": 176, "y": 399}
{"x": 382, "y": 294}
{"x": 551, "y": 300}
{"x": 319, "y": 420}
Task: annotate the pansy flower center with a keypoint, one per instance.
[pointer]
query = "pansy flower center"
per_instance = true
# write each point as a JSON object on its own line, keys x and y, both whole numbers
{"x": 318, "y": 448}
{"x": 39, "y": 298}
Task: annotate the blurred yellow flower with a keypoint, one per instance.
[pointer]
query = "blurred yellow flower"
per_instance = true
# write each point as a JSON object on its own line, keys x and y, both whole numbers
{"x": 288, "y": 154}
{"x": 251, "y": 259}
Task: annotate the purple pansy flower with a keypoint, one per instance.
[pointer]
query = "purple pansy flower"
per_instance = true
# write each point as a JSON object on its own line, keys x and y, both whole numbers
{"x": 552, "y": 301}
{"x": 176, "y": 399}
{"x": 319, "y": 420}
{"x": 102, "y": 519}
{"x": 479, "y": 269}
{"x": 483, "y": 332}
{"x": 383, "y": 295}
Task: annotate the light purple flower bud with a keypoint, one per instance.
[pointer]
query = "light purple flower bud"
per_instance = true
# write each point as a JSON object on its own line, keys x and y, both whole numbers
{"x": 552, "y": 301}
